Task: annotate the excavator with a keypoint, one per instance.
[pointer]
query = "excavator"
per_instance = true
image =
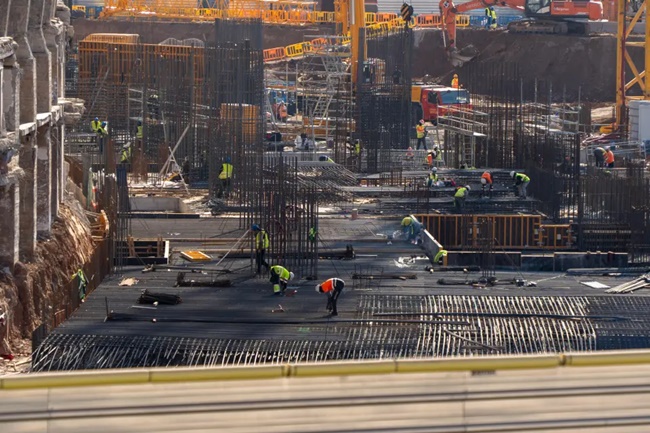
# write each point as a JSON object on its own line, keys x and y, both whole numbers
{"x": 542, "y": 16}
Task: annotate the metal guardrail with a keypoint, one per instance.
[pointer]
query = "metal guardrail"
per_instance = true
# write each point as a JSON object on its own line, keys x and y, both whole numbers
{"x": 453, "y": 364}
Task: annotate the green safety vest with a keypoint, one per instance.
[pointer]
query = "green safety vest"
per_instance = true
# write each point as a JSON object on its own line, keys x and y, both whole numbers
{"x": 357, "y": 148}
{"x": 138, "y": 134}
{"x": 439, "y": 256}
{"x": 433, "y": 177}
{"x": 262, "y": 240}
{"x": 282, "y": 272}
{"x": 522, "y": 177}
{"x": 126, "y": 155}
{"x": 313, "y": 234}
{"x": 95, "y": 125}
{"x": 461, "y": 192}
{"x": 226, "y": 171}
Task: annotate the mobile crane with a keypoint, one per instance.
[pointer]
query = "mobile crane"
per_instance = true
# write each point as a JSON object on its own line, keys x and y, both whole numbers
{"x": 542, "y": 16}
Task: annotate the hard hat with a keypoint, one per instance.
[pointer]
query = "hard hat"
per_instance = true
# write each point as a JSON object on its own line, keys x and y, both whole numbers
{"x": 255, "y": 227}
{"x": 421, "y": 121}
{"x": 291, "y": 276}
{"x": 227, "y": 159}
{"x": 317, "y": 288}
{"x": 607, "y": 148}
{"x": 434, "y": 169}
{"x": 512, "y": 174}
{"x": 455, "y": 75}
{"x": 96, "y": 118}
{"x": 104, "y": 123}
{"x": 467, "y": 187}
{"x": 483, "y": 180}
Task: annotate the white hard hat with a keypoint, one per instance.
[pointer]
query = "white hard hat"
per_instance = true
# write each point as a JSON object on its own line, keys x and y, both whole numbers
{"x": 421, "y": 121}
{"x": 467, "y": 187}
{"x": 483, "y": 180}
{"x": 317, "y": 288}
{"x": 434, "y": 169}
{"x": 512, "y": 174}
{"x": 291, "y": 276}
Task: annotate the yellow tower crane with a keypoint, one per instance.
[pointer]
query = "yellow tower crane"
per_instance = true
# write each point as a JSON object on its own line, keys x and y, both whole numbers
{"x": 350, "y": 20}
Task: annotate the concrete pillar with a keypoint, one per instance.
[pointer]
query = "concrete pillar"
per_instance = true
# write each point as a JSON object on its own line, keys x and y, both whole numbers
{"x": 44, "y": 180}
{"x": 17, "y": 29}
{"x": 56, "y": 181}
{"x": 42, "y": 55}
{"x": 11, "y": 94}
{"x": 27, "y": 188}
{"x": 5, "y": 10}
{"x": 53, "y": 32}
{"x": 9, "y": 224}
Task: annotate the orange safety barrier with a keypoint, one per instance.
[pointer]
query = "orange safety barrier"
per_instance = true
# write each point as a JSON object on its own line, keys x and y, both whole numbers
{"x": 385, "y": 16}
{"x": 274, "y": 54}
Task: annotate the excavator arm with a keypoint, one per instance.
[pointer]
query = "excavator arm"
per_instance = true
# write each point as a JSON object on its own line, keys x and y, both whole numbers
{"x": 448, "y": 12}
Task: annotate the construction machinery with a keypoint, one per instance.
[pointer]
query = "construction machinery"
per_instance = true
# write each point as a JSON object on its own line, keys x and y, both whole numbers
{"x": 541, "y": 16}
{"x": 430, "y": 101}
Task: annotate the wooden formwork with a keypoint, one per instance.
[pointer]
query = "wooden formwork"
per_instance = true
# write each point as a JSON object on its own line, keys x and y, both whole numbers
{"x": 510, "y": 231}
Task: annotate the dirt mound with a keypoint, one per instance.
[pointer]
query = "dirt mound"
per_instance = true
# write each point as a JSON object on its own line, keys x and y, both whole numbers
{"x": 34, "y": 291}
{"x": 577, "y": 64}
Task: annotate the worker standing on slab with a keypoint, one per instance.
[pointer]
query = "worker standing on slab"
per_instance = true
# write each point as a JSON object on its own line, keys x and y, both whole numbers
{"x": 262, "y": 243}
{"x": 279, "y": 278}
{"x": 486, "y": 182}
{"x": 421, "y": 133}
{"x": 125, "y": 156}
{"x": 225, "y": 177}
{"x": 609, "y": 157}
{"x": 521, "y": 182}
{"x": 333, "y": 288}
{"x": 493, "y": 18}
{"x": 460, "y": 196}
{"x": 454, "y": 82}
{"x": 599, "y": 156}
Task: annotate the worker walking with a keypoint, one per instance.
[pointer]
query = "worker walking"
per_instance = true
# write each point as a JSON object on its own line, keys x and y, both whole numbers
{"x": 333, "y": 288}
{"x": 486, "y": 182}
{"x": 225, "y": 177}
{"x": 432, "y": 178}
{"x": 280, "y": 276}
{"x": 460, "y": 196}
{"x": 411, "y": 228}
{"x": 454, "y": 82}
{"x": 521, "y": 182}
{"x": 421, "y": 133}
{"x": 599, "y": 156}
{"x": 262, "y": 243}
{"x": 609, "y": 157}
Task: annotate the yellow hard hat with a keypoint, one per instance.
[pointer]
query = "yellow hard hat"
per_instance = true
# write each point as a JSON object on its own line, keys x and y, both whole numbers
{"x": 455, "y": 75}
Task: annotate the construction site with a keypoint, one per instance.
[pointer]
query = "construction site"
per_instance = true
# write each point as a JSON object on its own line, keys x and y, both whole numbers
{"x": 190, "y": 190}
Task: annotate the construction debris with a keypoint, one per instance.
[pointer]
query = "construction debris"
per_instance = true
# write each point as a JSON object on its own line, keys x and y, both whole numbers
{"x": 642, "y": 282}
{"x": 128, "y": 282}
{"x": 158, "y": 298}
{"x": 195, "y": 256}
{"x": 211, "y": 280}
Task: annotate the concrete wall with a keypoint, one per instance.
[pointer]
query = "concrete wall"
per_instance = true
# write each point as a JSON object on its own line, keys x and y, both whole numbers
{"x": 33, "y": 40}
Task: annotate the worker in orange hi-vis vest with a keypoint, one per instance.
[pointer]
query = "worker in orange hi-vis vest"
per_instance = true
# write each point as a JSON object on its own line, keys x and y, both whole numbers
{"x": 333, "y": 288}
{"x": 454, "y": 82}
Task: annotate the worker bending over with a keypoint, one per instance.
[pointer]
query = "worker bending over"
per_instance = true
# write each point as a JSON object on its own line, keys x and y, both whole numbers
{"x": 333, "y": 288}
{"x": 411, "y": 228}
{"x": 599, "y": 156}
{"x": 279, "y": 278}
{"x": 521, "y": 182}
{"x": 460, "y": 196}
{"x": 262, "y": 243}
{"x": 486, "y": 182}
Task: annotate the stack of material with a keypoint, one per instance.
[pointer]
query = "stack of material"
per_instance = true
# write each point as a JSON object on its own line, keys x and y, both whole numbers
{"x": 148, "y": 297}
{"x": 642, "y": 282}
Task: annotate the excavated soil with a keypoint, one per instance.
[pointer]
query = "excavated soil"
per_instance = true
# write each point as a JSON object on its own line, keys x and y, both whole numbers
{"x": 32, "y": 293}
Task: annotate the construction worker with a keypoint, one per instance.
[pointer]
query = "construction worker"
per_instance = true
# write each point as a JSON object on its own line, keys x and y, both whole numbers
{"x": 421, "y": 133}
{"x": 125, "y": 157}
{"x": 521, "y": 182}
{"x": 138, "y": 131}
{"x": 357, "y": 148}
{"x": 279, "y": 278}
{"x": 609, "y": 157}
{"x": 488, "y": 17}
{"x": 454, "y": 82}
{"x": 599, "y": 155}
{"x": 333, "y": 288}
{"x": 95, "y": 124}
{"x": 432, "y": 178}
{"x": 409, "y": 153}
{"x": 460, "y": 196}
{"x": 411, "y": 228}
{"x": 493, "y": 18}
{"x": 397, "y": 76}
{"x": 225, "y": 176}
{"x": 325, "y": 158}
{"x": 429, "y": 159}
{"x": 282, "y": 112}
{"x": 102, "y": 130}
{"x": 262, "y": 243}
{"x": 486, "y": 182}
{"x": 440, "y": 257}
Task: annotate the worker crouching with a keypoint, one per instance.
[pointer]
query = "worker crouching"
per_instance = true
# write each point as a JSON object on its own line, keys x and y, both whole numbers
{"x": 333, "y": 288}
{"x": 460, "y": 196}
{"x": 411, "y": 228}
{"x": 280, "y": 276}
{"x": 487, "y": 183}
{"x": 521, "y": 183}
